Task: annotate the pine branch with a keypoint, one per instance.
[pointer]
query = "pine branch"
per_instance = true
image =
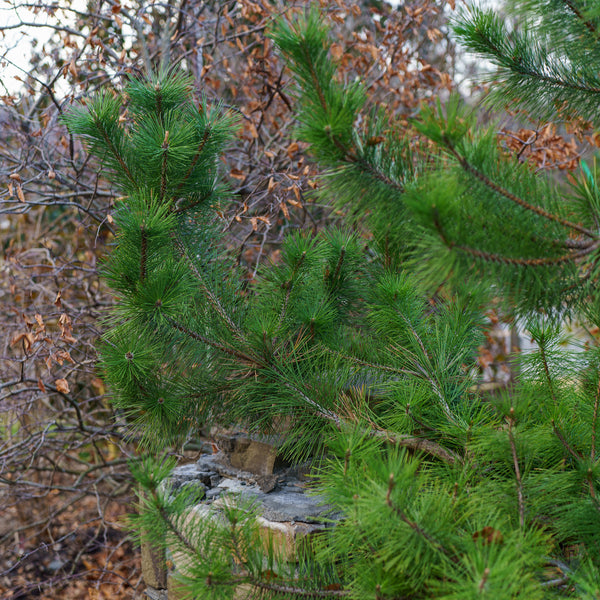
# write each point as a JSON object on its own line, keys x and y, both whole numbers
{"x": 338, "y": 267}
{"x": 296, "y": 591}
{"x": 143, "y": 253}
{"x": 428, "y": 374}
{"x": 564, "y": 442}
{"x": 550, "y": 69}
{"x": 520, "y": 262}
{"x": 109, "y": 143}
{"x": 288, "y": 285}
{"x": 513, "y": 448}
{"x": 159, "y": 106}
{"x": 377, "y": 173}
{"x": 412, "y": 524}
{"x": 276, "y": 588}
{"x": 250, "y": 359}
{"x": 371, "y": 365}
{"x": 544, "y": 357}
{"x": 588, "y": 24}
{"x": 163, "y": 171}
{"x": 196, "y": 157}
{"x": 417, "y": 444}
{"x": 595, "y": 422}
{"x": 512, "y": 197}
{"x": 323, "y": 412}
{"x": 176, "y": 531}
{"x": 213, "y": 300}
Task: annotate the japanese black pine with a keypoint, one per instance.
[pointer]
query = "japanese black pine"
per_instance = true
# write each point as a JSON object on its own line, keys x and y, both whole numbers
{"x": 365, "y": 344}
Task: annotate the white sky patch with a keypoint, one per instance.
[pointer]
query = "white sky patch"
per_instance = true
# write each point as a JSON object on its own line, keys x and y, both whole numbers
{"x": 23, "y": 30}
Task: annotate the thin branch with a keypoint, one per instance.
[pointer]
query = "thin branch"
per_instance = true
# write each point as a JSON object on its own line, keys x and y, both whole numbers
{"x": 512, "y": 197}
{"x": 217, "y": 345}
{"x": 522, "y": 262}
{"x": 412, "y": 524}
{"x": 213, "y": 300}
{"x": 588, "y": 24}
{"x": 338, "y": 267}
{"x": 203, "y": 141}
{"x": 100, "y": 127}
{"x": 288, "y": 286}
{"x": 595, "y": 422}
{"x": 165, "y": 163}
{"x": 296, "y": 591}
{"x": 549, "y": 381}
{"x": 417, "y": 444}
{"x": 564, "y": 442}
{"x": 513, "y": 448}
{"x": 143, "y": 253}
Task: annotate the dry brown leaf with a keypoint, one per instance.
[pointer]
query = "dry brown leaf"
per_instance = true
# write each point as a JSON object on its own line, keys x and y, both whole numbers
{"x": 62, "y": 386}
{"x": 253, "y": 130}
{"x": 336, "y": 51}
{"x": 292, "y": 149}
{"x": 26, "y": 337}
{"x": 64, "y": 355}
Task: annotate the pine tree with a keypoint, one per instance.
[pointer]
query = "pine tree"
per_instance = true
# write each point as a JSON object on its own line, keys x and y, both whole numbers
{"x": 369, "y": 350}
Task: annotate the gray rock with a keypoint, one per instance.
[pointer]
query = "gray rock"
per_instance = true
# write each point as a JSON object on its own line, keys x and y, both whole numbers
{"x": 287, "y": 505}
{"x": 278, "y": 498}
{"x": 191, "y": 472}
{"x": 155, "y": 594}
{"x": 213, "y": 493}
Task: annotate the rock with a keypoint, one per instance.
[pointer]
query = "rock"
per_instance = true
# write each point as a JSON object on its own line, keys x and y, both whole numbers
{"x": 285, "y": 538}
{"x": 191, "y": 472}
{"x": 287, "y": 516}
{"x": 155, "y": 594}
{"x": 255, "y": 457}
{"x": 154, "y": 568}
{"x": 266, "y": 483}
{"x": 247, "y": 453}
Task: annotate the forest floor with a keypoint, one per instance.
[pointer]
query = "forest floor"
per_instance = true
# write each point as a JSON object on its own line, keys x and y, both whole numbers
{"x": 82, "y": 558}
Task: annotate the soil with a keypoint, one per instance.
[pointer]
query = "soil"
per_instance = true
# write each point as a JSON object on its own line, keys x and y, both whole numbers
{"x": 83, "y": 557}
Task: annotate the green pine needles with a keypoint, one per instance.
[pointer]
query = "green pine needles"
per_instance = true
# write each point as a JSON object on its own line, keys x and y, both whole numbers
{"x": 162, "y": 150}
{"x": 368, "y": 351}
{"x": 478, "y": 211}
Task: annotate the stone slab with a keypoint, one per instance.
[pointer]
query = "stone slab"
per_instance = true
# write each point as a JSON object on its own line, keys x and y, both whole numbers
{"x": 154, "y": 569}
{"x": 155, "y": 594}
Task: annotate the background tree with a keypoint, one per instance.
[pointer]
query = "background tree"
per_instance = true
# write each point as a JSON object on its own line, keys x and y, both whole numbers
{"x": 369, "y": 351}
{"x": 63, "y": 479}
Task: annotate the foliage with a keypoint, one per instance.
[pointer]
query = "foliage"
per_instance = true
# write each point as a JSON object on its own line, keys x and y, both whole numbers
{"x": 63, "y": 451}
{"x": 367, "y": 350}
